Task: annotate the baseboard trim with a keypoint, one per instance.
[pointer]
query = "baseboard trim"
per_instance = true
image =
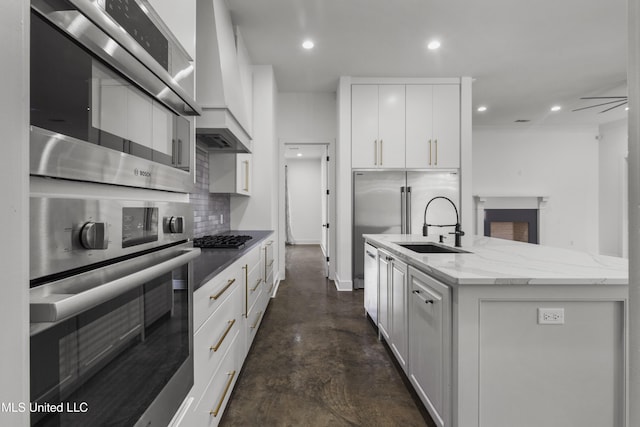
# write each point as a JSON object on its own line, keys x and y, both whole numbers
{"x": 343, "y": 285}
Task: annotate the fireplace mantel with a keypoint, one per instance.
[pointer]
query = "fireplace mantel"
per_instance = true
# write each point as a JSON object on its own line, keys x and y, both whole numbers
{"x": 510, "y": 201}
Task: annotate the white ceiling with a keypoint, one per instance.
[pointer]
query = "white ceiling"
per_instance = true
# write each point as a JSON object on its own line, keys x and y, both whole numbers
{"x": 525, "y": 56}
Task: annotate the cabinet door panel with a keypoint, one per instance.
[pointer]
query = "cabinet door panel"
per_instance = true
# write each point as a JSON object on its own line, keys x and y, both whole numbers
{"x": 446, "y": 125}
{"x": 391, "y": 126}
{"x": 420, "y": 126}
{"x": 398, "y": 294}
{"x": 429, "y": 343}
{"x": 383, "y": 294}
{"x": 364, "y": 126}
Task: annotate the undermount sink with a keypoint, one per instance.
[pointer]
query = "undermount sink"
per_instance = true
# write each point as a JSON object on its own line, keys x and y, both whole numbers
{"x": 431, "y": 248}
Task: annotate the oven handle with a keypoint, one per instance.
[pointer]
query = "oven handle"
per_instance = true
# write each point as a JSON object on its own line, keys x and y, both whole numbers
{"x": 55, "y": 307}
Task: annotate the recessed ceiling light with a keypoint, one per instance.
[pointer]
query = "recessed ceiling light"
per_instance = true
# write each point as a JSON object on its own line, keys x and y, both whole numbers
{"x": 556, "y": 108}
{"x": 307, "y": 44}
{"x": 433, "y": 45}
{"x": 482, "y": 108}
{"x": 626, "y": 108}
{"x": 299, "y": 154}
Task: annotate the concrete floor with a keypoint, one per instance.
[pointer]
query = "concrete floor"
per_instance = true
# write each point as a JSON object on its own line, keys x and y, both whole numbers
{"x": 316, "y": 360}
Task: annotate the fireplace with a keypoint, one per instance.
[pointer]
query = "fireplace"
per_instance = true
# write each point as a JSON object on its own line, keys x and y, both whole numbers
{"x": 512, "y": 224}
{"x": 520, "y": 218}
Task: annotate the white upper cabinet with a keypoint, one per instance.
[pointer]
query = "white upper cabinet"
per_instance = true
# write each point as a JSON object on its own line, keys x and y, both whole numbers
{"x": 230, "y": 173}
{"x": 433, "y": 126}
{"x": 378, "y": 129}
{"x": 391, "y": 127}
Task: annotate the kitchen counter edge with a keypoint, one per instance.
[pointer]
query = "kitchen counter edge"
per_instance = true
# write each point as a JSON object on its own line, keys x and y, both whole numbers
{"x": 492, "y": 261}
{"x": 212, "y": 262}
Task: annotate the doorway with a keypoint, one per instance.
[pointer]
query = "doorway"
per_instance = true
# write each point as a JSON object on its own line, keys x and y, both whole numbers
{"x": 308, "y": 197}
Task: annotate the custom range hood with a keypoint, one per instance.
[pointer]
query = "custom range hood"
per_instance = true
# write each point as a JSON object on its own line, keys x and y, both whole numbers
{"x": 224, "y": 121}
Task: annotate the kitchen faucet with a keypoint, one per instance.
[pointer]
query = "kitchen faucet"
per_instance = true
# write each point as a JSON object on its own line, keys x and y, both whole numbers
{"x": 458, "y": 232}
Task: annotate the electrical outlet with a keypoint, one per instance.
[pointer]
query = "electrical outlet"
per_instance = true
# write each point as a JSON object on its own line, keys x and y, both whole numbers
{"x": 550, "y": 316}
{"x": 221, "y": 219}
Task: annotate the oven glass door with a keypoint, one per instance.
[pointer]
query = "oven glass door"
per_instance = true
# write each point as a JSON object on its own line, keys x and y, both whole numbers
{"x": 75, "y": 94}
{"x": 106, "y": 365}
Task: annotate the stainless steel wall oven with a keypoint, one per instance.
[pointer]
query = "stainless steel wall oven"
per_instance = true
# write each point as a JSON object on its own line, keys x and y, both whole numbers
{"x": 110, "y": 303}
{"x": 110, "y": 259}
{"x": 109, "y": 96}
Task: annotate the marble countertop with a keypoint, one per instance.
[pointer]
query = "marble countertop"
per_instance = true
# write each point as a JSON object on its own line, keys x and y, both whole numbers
{"x": 492, "y": 261}
{"x": 212, "y": 261}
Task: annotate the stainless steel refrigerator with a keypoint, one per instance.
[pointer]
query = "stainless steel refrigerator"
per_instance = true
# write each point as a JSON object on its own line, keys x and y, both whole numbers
{"x": 393, "y": 202}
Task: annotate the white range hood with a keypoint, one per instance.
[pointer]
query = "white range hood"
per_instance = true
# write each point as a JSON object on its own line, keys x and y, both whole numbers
{"x": 224, "y": 121}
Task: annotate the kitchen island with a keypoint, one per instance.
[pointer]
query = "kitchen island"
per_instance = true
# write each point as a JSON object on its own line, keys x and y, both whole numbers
{"x": 506, "y": 333}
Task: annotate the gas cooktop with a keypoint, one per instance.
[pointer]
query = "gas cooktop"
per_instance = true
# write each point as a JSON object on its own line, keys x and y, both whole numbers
{"x": 220, "y": 241}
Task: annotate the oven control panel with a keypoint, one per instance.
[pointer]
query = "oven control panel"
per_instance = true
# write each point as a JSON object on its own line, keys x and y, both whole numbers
{"x": 68, "y": 233}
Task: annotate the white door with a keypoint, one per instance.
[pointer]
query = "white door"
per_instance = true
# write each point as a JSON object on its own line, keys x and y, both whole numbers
{"x": 420, "y": 145}
{"x": 446, "y": 126}
{"x": 364, "y": 126}
{"x": 391, "y": 126}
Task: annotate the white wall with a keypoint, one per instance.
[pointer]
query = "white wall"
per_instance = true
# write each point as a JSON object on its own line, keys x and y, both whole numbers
{"x": 613, "y": 213}
{"x": 260, "y": 211}
{"x": 305, "y": 199}
{"x": 14, "y": 210}
{"x": 561, "y": 163}
{"x": 308, "y": 118}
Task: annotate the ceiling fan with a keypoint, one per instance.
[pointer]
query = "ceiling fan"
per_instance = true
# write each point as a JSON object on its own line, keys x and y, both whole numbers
{"x": 619, "y": 101}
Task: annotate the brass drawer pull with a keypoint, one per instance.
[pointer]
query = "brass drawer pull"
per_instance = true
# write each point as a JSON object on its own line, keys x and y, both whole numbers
{"x": 256, "y": 286}
{"x": 436, "y": 163}
{"x": 246, "y": 176}
{"x": 224, "y": 394}
{"x": 257, "y": 321}
{"x": 375, "y": 152}
{"x": 215, "y": 348}
{"x": 222, "y": 291}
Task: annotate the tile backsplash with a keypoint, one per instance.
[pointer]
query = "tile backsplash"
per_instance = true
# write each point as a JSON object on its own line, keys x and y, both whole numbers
{"x": 208, "y": 207}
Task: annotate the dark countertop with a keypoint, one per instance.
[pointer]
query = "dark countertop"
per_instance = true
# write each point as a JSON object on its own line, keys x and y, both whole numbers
{"x": 212, "y": 261}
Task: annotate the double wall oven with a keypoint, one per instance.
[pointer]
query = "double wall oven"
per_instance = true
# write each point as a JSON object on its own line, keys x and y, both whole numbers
{"x": 110, "y": 264}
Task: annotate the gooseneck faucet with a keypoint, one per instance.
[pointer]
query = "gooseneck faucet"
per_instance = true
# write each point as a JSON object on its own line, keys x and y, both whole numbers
{"x": 458, "y": 232}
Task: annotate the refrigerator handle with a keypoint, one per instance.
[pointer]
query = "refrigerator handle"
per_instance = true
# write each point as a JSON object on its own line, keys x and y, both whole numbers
{"x": 408, "y": 210}
{"x": 403, "y": 211}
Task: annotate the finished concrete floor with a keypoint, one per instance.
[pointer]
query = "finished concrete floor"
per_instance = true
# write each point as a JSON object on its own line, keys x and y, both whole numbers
{"x": 316, "y": 360}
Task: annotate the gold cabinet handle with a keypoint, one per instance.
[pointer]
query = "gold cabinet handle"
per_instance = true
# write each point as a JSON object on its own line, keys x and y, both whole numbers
{"x": 215, "y": 348}
{"x": 222, "y": 291}
{"x": 436, "y": 163}
{"x": 256, "y": 286}
{"x": 246, "y": 287}
{"x": 375, "y": 152}
{"x": 429, "y": 152}
{"x": 257, "y": 321}
{"x": 381, "y": 151}
{"x": 271, "y": 263}
{"x": 215, "y": 412}
{"x": 246, "y": 175}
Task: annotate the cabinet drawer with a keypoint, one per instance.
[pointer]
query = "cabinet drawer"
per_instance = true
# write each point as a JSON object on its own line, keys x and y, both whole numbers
{"x": 254, "y": 287}
{"x": 253, "y": 323}
{"x": 214, "y": 338}
{"x": 210, "y": 296}
{"x": 252, "y": 259}
{"x": 214, "y": 400}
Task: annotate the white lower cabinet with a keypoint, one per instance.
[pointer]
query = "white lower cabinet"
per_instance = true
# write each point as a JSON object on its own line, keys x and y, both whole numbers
{"x": 393, "y": 323}
{"x": 228, "y": 311}
{"x": 212, "y": 403}
{"x": 429, "y": 346}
